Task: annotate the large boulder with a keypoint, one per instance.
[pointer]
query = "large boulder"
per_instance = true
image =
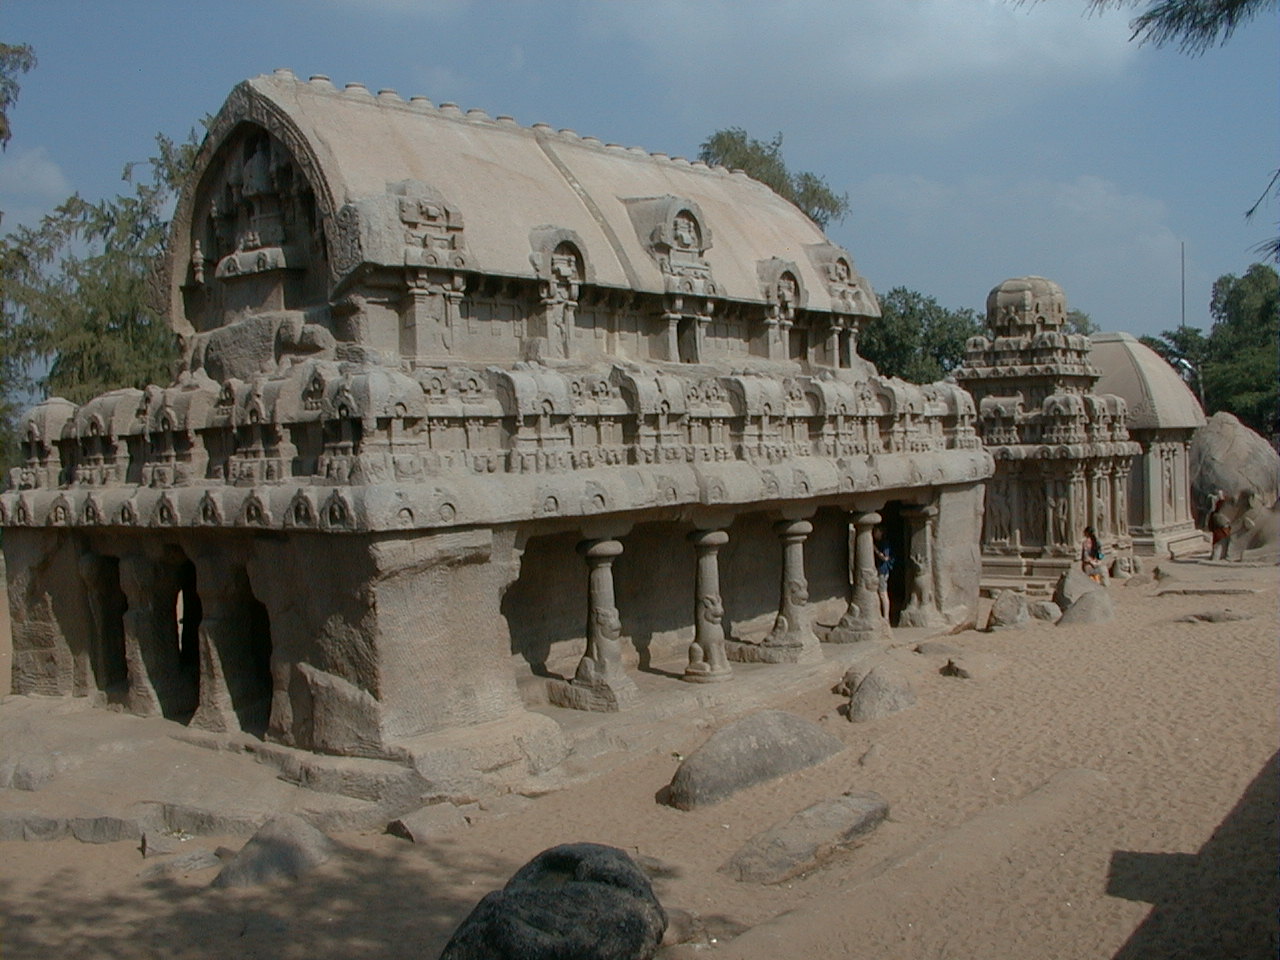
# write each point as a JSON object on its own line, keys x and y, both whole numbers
{"x": 1092, "y": 607}
{"x": 1071, "y": 586}
{"x": 1226, "y": 455}
{"x": 1009, "y": 611}
{"x": 579, "y": 900}
{"x": 761, "y": 746}
{"x": 284, "y": 848}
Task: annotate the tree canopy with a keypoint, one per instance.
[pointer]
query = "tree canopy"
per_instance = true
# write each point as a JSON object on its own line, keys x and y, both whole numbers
{"x": 916, "y": 338}
{"x": 1194, "y": 25}
{"x": 77, "y": 311}
{"x": 14, "y": 59}
{"x": 762, "y": 161}
{"x": 1237, "y": 365}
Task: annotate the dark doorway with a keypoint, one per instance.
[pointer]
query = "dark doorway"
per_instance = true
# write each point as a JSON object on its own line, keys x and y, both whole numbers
{"x": 252, "y": 690}
{"x": 896, "y": 536}
{"x": 687, "y": 339}
{"x": 110, "y": 664}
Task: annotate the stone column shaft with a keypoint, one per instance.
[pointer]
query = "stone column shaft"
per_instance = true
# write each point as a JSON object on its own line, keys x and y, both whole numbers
{"x": 600, "y": 682}
{"x": 156, "y": 682}
{"x": 921, "y": 609}
{"x": 708, "y": 662}
{"x": 862, "y": 621}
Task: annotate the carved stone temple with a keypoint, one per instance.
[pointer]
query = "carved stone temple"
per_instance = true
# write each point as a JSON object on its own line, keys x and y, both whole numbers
{"x": 1063, "y": 454}
{"x": 1163, "y": 416}
{"x": 463, "y": 405}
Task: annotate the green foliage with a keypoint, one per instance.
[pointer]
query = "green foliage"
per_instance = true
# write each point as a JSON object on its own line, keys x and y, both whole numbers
{"x": 1080, "y": 322}
{"x": 1235, "y": 368}
{"x": 14, "y": 59}
{"x": 763, "y": 161}
{"x": 77, "y": 292}
{"x": 916, "y": 338}
{"x": 1194, "y": 25}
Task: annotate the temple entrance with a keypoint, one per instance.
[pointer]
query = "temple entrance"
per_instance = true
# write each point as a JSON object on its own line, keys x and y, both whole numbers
{"x": 177, "y": 686}
{"x": 251, "y": 697}
{"x": 110, "y": 666}
{"x": 897, "y": 537}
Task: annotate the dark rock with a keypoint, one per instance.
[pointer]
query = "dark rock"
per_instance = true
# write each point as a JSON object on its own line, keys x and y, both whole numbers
{"x": 284, "y": 848}
{"x": 579, "y": 901}
{"x": 757, "y": 748}
{"x": 1044, "y": 610}
{"x": 1009, "y": 611}
{"x": 1092, "y": 607}
{"x": 972, "y": 666}
{"x": 808, "y": 838}
{"x": 882, "y": 692}
{"x": 1071, "y": 586}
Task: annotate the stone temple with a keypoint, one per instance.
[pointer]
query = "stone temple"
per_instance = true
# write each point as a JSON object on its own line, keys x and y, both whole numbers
{"x": 463, "y": 403}
{"x": 1063, "y": 454}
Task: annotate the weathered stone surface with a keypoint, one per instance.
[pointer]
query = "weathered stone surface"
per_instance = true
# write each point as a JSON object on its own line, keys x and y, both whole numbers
{"x": 1215, "y": 616}
{"x": 1092, "y": 607}
{"x": 1009, "y": 611}
{"x": 428, "y": 823}
{"x": 583, "y": 901}
{"x": 284, "y": 848}
{"x": 1226, "y": 455}
{"x": 884, "y": 691}
{"x": 104, "y": 829}
{"x": 757, "y": 748}
{"x": 156, "y": 843}
{"x": 21, "y": 825}
{"x": 1044, "y": 610}
{"x": 806, "y": 839}
{"x": 187, "y": 862}
{"x": 1071, "y": 586}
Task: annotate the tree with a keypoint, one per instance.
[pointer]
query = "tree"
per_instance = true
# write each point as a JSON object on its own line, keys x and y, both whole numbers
{"x": 1194, "y": 25}
{"x": 763, "y": 161}
{"x": 1234, "y": 368}
{"x": 916, "y": 338}
{"x": 14, "y": 59}
{"x": 77, "y": 300}
{"x": 1080, "y": 322}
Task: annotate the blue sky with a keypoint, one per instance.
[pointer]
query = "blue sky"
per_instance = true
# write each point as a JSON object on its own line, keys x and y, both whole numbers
{"x": 977, "y": 139}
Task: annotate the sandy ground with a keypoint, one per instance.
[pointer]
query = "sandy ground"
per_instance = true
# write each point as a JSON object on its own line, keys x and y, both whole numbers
{"x": 1107, "y": 791}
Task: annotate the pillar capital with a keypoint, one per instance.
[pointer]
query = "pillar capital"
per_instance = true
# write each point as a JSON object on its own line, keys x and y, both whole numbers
{"x": 600, "y": 550}
{"x": 866, "y": 518}
{"x": 788, "y": 529}
{"x": 707, "y": 539}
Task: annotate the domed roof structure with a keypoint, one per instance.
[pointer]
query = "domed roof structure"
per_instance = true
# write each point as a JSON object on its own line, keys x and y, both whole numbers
{"x": 1020, "y": 304}
{"x": 1156, "y": 395}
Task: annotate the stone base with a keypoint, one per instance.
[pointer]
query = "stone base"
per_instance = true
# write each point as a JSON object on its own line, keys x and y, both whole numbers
{"x": 1171, "y": 543}
{"x": 602, "y": 696}
{"x": 707, "y": 676}
{"x": 741, "y": 652}
{"x": 920, "y": 617}
{"x": 857, "y": 631}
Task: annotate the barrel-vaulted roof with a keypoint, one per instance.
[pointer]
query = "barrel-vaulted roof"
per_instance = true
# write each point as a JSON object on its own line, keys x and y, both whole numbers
{"x": 1156, "y": 396}
{"x": 508, "y": 180}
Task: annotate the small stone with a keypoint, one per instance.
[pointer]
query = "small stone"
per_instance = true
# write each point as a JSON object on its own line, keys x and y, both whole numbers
{"x": 872, "y": 754}
{"x": 1009, "y": 611}
{"x": 1092, "y": 607}
{"x": 953, "y": 669}
{"x": 1214, "y": 616}
{"x": 1071, "y": 586}
{"x": 428, "y": 822}
{"x": 883, "y": 692}
{"x": 806, "y": 839}
{"x": 155, "y": 844}
{"x": 759, "y": 747}
{"x": 284, "y": 848}
{"x": 188, "y": 862}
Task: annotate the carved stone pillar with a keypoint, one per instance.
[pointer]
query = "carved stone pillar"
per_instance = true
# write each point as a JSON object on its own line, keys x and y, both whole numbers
{"x": 921, "y": 609}
{"x": 600, "y": 682}
{"x": 862, "y": 621}
{"x": 225, "y": 633}
{"x": 157, "y": 684}
{"x": 792, "y": 639}
{"x": 708, "y": 662}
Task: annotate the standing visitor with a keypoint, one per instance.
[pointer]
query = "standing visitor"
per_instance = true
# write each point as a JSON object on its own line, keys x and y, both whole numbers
{"x": 1091, "y": 555}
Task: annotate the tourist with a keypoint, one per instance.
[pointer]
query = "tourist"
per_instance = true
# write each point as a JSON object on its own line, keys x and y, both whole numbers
{"x": 884, "y": 566}
{"x": 1219, "y": 526}
{"x": 1091, "y": 555}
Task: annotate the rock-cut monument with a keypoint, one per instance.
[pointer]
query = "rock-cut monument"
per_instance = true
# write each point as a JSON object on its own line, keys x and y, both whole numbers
{"x": 1063, "y": 454}
{"x": 462, "y": 400}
